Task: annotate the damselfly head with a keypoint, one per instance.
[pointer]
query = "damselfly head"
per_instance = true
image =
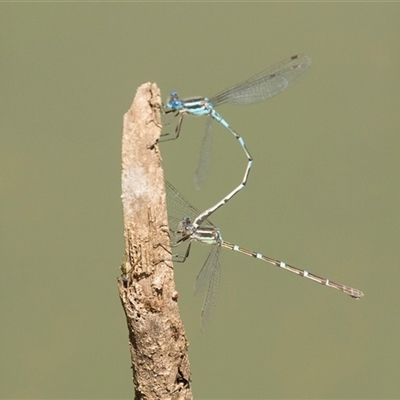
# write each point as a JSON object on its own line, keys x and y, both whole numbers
{"x": 173, "y": 102}
{"x": 185, "y": 227}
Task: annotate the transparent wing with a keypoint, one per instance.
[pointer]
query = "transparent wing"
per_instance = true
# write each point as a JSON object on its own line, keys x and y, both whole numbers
{"x": 204, "y": 158}
{"x": 209, "y": 278}
{"x": 178, "y": 209}
{"x": 266, "y": 84}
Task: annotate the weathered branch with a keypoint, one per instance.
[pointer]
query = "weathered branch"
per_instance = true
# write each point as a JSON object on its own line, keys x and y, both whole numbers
{"x": 157, "y": 340}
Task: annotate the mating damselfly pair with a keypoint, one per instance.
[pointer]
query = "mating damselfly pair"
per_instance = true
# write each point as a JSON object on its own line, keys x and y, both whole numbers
{"x": 185, "y": 221}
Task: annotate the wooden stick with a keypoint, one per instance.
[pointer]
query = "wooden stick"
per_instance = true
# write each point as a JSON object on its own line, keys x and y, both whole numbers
{"x": 157, "y": 341}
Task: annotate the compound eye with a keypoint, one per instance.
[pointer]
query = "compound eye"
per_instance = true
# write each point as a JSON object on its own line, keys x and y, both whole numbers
{"x": 173, "y": 102}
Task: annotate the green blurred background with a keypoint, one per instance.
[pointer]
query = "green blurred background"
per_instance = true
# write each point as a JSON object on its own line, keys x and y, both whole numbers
{"x": 323, "y": 195}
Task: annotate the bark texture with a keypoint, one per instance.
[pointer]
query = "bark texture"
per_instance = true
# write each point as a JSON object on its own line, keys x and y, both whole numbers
{"x": 157, "y": 341}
